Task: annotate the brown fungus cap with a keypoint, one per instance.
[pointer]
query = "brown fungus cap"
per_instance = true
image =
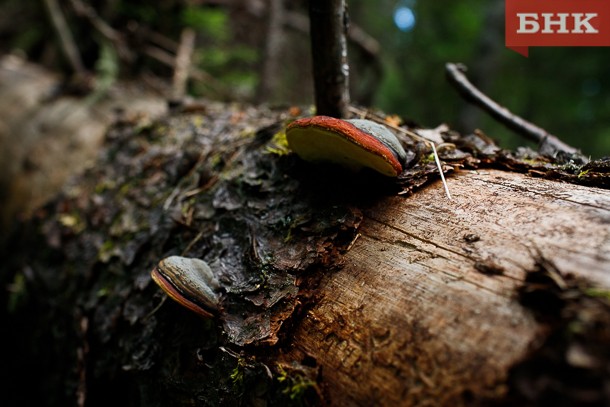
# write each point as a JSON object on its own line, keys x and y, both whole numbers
{"x": 190, "y": 282}
{"x": 353, "y": 144}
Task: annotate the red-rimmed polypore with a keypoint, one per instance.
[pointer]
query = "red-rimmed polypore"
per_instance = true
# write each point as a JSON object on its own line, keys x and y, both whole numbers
{"x": 190, "y": 282}
{"x": 354, "y": 144}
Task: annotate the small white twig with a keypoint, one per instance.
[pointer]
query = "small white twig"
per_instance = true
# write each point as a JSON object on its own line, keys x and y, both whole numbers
{"x": 440, "y": 170}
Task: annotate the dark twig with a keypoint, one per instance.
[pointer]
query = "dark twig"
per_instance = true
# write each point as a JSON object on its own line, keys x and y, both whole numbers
{"x": 66, "y": 40}
{"x": 328, "y": 22}
{"x": 548, "y": 143}
{"x": 85, "y": 10}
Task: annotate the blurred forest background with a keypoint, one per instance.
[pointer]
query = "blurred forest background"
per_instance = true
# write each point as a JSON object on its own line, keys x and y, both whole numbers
{"x": 257, "y": 51}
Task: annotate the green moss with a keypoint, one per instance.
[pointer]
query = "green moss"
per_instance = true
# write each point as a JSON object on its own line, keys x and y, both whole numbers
{"x": 295, "y": 384}
{"x": 102, "y": 292}
{"x": 279, "y": 144}
{"x": 198, "y": 121}
{"x": 237, "y": 375}
{"x": 531, "y": 161}
{"x": 125, "y": 188}
{"x": 427, "y": 159}
{"x": 186, "y": 207}
{"x": 216, "y": 160}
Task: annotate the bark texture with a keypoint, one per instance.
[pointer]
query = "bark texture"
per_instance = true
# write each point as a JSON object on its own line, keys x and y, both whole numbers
{"x": 425, "y": 310}
{"x": 336, "y": 290}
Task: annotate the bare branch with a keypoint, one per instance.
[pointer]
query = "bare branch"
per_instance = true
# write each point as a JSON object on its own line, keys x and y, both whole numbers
{"x": 84, "y": 10}
{"x": 548, "y": 143}
{"x": 66, "y": 40}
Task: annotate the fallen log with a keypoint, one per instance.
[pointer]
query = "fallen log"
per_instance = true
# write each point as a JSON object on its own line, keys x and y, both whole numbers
{"x": 425, "y": 310}
{"x": 48, "y": 134}
{"x": 336, "y": 290}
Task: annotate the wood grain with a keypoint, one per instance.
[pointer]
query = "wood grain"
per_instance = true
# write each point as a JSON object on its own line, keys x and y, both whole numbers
{"x": 424, "y": 311}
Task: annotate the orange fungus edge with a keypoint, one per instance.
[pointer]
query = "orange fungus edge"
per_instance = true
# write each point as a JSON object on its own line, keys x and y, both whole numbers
{"x": 175, "y": 295}
{"x": 351, "y": 133}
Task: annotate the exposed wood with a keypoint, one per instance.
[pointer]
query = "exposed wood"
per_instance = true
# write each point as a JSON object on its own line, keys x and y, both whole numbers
{"x": 410, "y": 320}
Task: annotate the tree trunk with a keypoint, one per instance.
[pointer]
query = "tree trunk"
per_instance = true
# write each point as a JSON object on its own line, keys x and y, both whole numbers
{"x": 335, "y": 290}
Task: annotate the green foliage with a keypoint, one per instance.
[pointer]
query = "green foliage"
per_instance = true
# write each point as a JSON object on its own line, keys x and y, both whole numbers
{"x": 231, "y": 64}
{"x": 563, "y": 89}
{"x": 212, "y": 23}
{"x": 598, "y": 293}
{"x": 28, "y": 38}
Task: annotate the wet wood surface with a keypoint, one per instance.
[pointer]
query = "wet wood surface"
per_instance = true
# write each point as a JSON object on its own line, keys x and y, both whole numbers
{"x": 425, "y": 310}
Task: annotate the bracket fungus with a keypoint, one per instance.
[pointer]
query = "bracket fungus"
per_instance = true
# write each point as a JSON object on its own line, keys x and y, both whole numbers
{"x": 354, "y": 144}
{"x": 190, "y": 282}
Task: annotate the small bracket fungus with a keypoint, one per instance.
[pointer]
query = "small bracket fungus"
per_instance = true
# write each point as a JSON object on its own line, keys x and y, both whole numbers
{"x": 190, "y": 282}
{"x": 354, "y": 144}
